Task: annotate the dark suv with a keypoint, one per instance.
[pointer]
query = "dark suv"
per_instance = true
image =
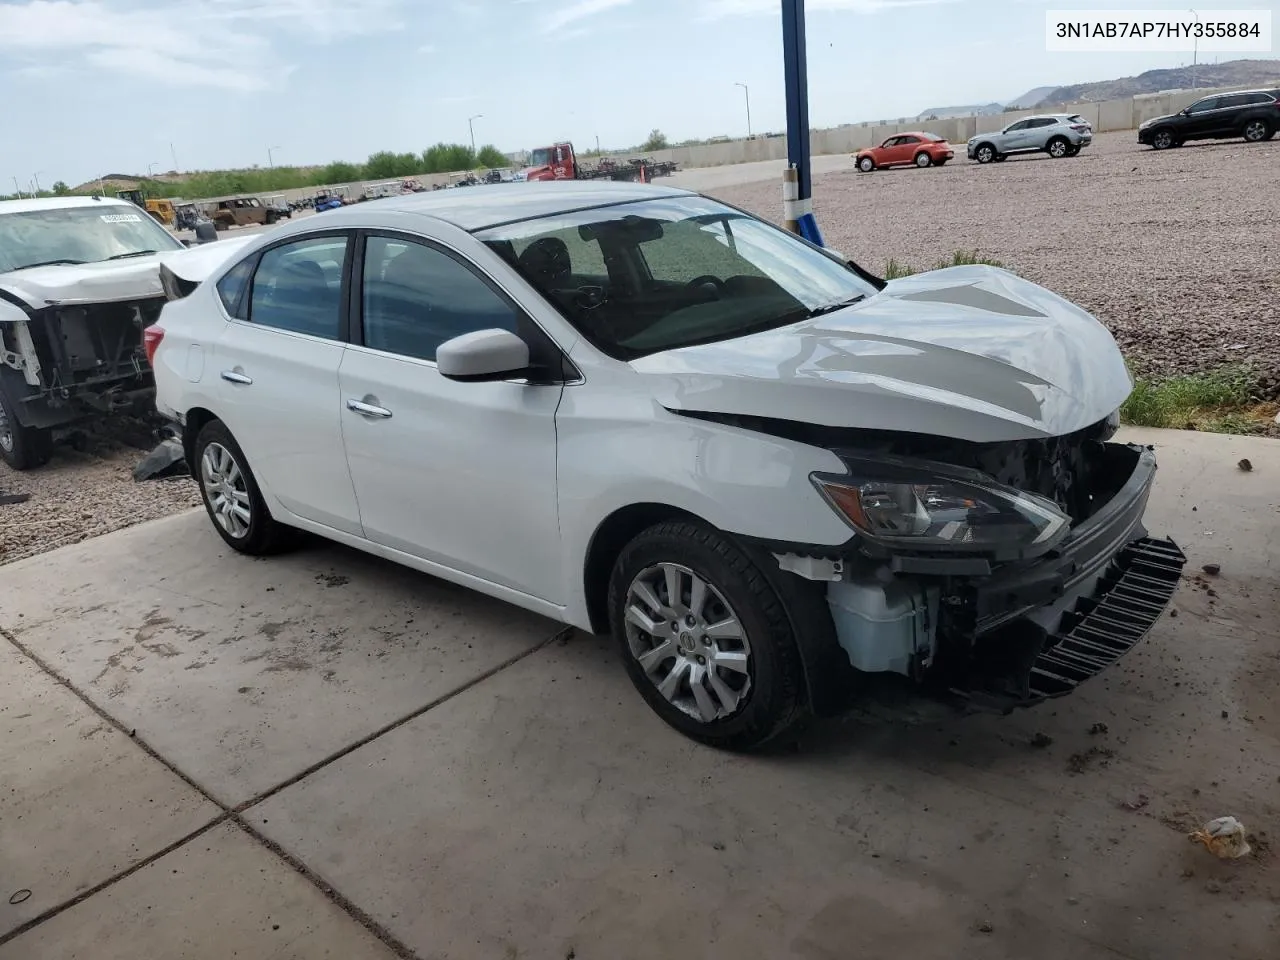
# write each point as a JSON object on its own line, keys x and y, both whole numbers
{"x": 1252, "y": 114}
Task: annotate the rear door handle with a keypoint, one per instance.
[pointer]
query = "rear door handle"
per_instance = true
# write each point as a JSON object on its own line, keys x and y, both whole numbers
{"x": 232, "y": 376}
{"x": 368, "y": 409}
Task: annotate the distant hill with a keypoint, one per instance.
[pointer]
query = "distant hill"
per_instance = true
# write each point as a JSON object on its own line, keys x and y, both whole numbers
{"x": 942, "y": 113}
{"x": 1233, "y": 73}
{"x": 1032, "y": 98}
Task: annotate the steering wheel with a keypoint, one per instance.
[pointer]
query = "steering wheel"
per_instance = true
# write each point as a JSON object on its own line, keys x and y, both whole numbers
{"x": 706, "y": 279}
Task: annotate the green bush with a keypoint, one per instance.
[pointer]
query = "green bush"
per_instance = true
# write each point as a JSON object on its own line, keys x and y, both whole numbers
{"x": 1213, "y": 400}
{"x": 895, "y": 269}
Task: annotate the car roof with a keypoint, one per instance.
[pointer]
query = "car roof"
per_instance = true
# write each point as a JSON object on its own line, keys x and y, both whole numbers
{"x": 913, "y": 133}
{"x": 58, "y": 203}
{"x": 479, "y": 207}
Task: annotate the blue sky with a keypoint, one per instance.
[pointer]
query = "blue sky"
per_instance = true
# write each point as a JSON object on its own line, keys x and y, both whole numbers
{"x": 94, "y": 86}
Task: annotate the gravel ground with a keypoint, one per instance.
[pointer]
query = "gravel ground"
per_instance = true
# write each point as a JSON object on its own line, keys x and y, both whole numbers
{"x": 86, "y": 490}
{"x": 1176, "y": 252}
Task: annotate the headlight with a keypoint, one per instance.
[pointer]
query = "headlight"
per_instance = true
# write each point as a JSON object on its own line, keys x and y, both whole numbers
{"x": 935, "y": 506}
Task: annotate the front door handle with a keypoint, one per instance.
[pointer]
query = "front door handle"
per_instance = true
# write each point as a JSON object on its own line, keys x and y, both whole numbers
{"x": 368, "y": 409}
{"x": 234, "y": 376}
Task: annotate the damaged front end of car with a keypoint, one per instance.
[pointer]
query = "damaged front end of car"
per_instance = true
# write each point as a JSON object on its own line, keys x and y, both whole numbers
{"x": 65, "y": 361}
{"x": 995, "y": 574}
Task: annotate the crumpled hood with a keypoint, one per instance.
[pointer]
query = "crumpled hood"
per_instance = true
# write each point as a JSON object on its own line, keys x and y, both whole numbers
{"x": 113, "y": 281}
{"x": 974, "y": 353}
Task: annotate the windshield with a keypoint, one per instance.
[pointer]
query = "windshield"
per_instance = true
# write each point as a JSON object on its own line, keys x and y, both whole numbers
{"x": 540, "y": 157}
{"x": 86, "y": 234}
{"x": 640, "y": 278}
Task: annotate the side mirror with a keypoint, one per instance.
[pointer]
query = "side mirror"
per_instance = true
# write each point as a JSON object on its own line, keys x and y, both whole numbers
{"x": 483, "y": 355}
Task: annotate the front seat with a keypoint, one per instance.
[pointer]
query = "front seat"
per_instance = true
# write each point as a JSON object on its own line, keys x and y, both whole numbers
{"x": 546, "y": 263}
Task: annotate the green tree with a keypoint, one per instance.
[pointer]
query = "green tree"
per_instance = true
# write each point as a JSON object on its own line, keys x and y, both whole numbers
{"x": 657, "y": 140}
{"x": 338, "y": 172}
{"x": 448, "y": 158}
{"x": 491, "y": 157}
{"x": 60, "y": 189}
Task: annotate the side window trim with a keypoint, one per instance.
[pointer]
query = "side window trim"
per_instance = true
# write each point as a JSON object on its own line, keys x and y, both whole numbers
{"x": 246, "y": 297}
{"x": 554, "y": 357}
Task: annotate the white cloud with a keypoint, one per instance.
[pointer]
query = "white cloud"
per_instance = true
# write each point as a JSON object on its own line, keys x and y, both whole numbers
{"x": 566, "y": 16}
{"x": 211, "y": 43}
{"x": 720, "y": 9}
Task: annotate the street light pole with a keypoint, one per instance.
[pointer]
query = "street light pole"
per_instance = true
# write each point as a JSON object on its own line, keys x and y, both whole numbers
{"x": 35, "y": 179}
{"x": 151, "y": 170}
{"x": 17, "y": 189}
{"x": 1195, "y": 51}
{"x": 271, "y": 160}
{"x": 174, "y": 154}
{"x": 746, "y": 92}
{"x": 471, "y": 125}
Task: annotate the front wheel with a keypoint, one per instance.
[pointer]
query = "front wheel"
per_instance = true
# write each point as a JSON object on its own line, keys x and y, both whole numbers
{"x": 1255, "y": 131}
{"x": 866, "y": 164}
{"x": 705, "y": 638}
{"x": 231, "y": 495}
{"x": 985, "y": 153}
{"x": 1163, "y": 140}
{"x": 22, "y": 447}
{"x": 923, "y": 160}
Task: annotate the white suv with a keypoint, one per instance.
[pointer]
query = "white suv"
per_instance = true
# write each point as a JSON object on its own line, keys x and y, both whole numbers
{"x": 640, "y": 411}
{"x": 1058, "y": 134}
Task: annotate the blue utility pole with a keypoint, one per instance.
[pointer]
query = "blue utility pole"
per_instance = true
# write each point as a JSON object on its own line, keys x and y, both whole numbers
{"x": 799, "y": 207}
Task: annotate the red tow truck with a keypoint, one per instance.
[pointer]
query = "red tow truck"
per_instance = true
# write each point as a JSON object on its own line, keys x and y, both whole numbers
{"x": 560, "y": 162}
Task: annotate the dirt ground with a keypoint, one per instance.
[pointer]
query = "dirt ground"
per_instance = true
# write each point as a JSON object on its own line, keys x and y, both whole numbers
{"x": 1175, "y": 251}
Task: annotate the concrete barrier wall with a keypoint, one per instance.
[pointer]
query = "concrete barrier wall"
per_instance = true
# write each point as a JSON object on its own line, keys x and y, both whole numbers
{"x": 1106, "y": 116}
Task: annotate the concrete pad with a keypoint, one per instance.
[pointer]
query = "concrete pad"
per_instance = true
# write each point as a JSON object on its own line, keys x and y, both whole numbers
{"x": 222, "y": 895}
{"x": 547, "y": 809}
{"x": 79, "y": 802}
{"x": 242, "y": 672}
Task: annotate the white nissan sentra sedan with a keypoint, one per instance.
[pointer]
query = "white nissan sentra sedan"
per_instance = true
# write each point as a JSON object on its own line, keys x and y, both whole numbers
{"x": 637, "y": 410}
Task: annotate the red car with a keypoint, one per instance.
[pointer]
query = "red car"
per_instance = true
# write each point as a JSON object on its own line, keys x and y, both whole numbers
{"x": 921, "y": 149}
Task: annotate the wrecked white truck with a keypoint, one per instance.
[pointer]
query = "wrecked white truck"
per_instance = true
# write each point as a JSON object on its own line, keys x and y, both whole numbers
{"x": 79, "y": 282}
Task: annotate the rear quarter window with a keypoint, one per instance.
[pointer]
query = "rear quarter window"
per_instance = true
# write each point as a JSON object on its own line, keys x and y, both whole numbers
{"x": 232, "y": 287}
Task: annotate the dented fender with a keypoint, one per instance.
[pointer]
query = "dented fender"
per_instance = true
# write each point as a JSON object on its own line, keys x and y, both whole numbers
{"x": 16, "y": 347}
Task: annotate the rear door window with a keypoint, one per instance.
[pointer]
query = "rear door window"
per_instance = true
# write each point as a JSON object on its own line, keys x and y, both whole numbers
{"x": 298, "y": 287}
{"x": 233, "y": 286}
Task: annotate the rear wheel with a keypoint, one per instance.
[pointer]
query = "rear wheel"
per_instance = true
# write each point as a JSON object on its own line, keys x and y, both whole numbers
{"x": 705, "y": 638}
{"x": 1058, "y": 147}
{"x": 986, "y": 153}
{"x": 1163, "y": 140}
{"x": 866, "y": 164}
{"x": 22, "y": 448}
{"x": 923, "y": 159}
{"x": 231, "y": 495}
{"x": 1255, "y": 131}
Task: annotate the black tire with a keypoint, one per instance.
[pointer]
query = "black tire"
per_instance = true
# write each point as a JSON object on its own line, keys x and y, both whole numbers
{"x": 22, "y": 448}
{"x": 1073, "y": 151}
{"x": 773, "y": 702}
{"x": 1255, "y": 131}
{"x": 1001, "y": 157}
{"x": 1163, "y": 139}
{"x": 1058, "y": 147}
{"x": 985, "y": 153}
{"x": 923, "y": 160}
{"x": 263, "y": 534}
{"x": 866, "y": 164}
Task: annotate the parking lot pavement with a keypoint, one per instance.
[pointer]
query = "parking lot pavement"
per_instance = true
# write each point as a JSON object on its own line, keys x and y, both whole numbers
{"x": 220, "y": 896}
{"x": 543, "y": 811}
{"x": 245, "y": 673}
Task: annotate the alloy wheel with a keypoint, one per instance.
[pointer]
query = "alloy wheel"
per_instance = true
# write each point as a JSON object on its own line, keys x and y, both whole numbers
{"x": 1162, "y": 140}
{"x": 227, "y": 491}
{"x": 1256, "y": 130}
{"x": 688, "y": 641}
{"x": 1058, "y": 149}
{"x": 986, "y": 154}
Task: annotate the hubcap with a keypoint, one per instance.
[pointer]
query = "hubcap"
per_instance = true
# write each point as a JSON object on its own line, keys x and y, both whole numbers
{"x": 1255, "y": 131}
{"x": 922, "y": 161}
{"x": 1057, "y": 148}
{"x": 689, "y": 641}
{"x": 224, "y": 485}
{"x": 6, "y": 432}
